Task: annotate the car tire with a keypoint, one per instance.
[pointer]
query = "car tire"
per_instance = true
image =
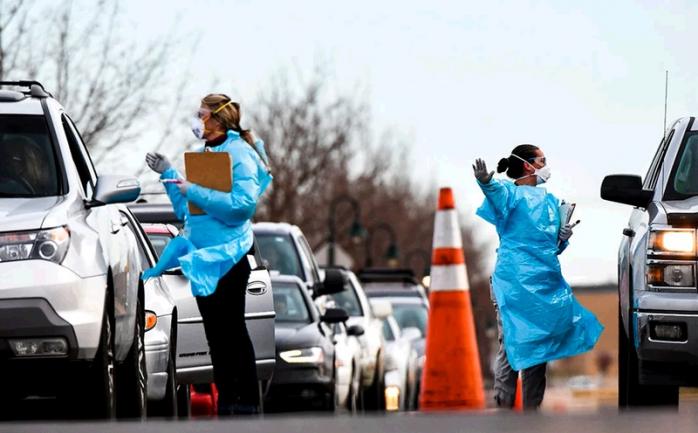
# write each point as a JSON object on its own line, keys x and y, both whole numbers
{"x": 374, "y": 396}
{"x": 354, "y": 391}
{"x": 183, "y": 401}
{"x": 168, "y": 406}
{"x": 100, "y": 398}
{"x": 630, "y": 392}
{"x": 131, "y": 383}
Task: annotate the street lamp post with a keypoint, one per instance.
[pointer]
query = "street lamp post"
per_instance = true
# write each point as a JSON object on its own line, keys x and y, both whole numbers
{"x": 356, "y": 231}
{"x": 426, "y": 258}
{"x": 392, "y": 251}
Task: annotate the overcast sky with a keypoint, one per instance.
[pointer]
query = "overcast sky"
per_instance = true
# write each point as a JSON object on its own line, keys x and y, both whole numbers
{"x": 461, "y": 79}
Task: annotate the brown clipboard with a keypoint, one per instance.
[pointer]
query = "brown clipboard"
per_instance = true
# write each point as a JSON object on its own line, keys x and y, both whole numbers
{"x": 209, "y": 169}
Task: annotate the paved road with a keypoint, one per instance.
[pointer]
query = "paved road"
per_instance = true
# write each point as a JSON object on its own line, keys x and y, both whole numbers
{"x": 686, "y": 420}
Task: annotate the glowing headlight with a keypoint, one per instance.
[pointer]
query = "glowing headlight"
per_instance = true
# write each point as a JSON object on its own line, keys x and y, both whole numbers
{"x": 51, "y": 245}
{"x": 392, "y": 398}
{"x": 673, "y": 241}
{"x": 312, "y": 355}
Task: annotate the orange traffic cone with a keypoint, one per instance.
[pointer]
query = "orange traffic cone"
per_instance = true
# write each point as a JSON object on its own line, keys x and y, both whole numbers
{"x": 518, "y": 399}
{"x": 452, "y": 378}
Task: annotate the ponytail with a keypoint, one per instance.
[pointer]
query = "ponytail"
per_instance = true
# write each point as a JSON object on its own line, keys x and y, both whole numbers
{"x": 514, "y": 163}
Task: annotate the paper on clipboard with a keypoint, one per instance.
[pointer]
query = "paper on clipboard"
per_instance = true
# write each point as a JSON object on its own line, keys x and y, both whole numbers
{"x": 566, "y": 211}
{"x": 210, "y": 170}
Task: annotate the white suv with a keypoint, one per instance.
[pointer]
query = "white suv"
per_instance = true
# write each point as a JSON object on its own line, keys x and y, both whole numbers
{"x": 71, "y": 301}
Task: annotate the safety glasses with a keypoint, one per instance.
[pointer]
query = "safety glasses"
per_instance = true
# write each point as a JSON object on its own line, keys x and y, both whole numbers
{"x": 538, "y": 159}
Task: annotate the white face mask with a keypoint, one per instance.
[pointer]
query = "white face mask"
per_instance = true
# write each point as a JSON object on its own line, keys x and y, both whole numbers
{"x": 197, "y": 127}
{"x": 542, "y": 174}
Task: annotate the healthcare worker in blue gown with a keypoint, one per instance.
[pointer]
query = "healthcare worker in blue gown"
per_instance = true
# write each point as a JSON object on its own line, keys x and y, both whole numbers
{"x": 538, "y": 317}
{"x": 214, "y": 246}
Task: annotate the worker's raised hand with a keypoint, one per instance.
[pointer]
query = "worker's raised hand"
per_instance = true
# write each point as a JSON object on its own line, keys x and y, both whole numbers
{"x": 157, "y": 162}
{"x": 480, "y": 171}
{"x": 565, "y": 233}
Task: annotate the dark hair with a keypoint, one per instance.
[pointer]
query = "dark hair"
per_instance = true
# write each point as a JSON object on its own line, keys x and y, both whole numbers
{"x": 513, "y": 165}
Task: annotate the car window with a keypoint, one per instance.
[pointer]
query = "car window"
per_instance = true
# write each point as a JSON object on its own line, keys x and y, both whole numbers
{"x": 143, "y": 255}
{"x": 308, "y": 252}
{"x": 348, "y": 300}
{"x": 81, "y": 158}
{"x": 28, "y": 165}
{"x": 289, "y": 304}
{"x": 280, "y": 253}
{"x": 159, "y": 242}
{"x": 683, "y": 181}
{"x": 388, "y": 334}
{"x": 411, "y": 316}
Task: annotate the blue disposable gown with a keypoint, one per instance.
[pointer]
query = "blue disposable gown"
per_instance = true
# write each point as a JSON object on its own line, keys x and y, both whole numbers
{"x": 541, "y": 319}
{"x": 212, "y": 243}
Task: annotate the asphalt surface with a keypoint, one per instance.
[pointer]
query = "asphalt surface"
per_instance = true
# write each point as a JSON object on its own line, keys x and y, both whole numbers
{"x": 685, "y": 420}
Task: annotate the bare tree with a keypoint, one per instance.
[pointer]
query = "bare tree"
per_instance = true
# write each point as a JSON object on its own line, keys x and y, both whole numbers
{"x": 321, "y": 147}
{"x": 111, "y": 83}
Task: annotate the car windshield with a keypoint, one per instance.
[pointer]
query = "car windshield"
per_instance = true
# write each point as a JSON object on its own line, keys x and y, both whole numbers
{"x": 159, "y": 241}
{"x": 28, "y": 166}
{"x": 411, "y": 316}
{"x": 348, "y": 300}
{"x": 684, "y": 178}
{"x": 289, "y": 304}
{"x": 280, "y": 253}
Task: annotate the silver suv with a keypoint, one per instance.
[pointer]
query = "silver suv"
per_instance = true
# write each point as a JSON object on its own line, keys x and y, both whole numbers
{"x": 658, "y": 299}
{"x": 71, "y": 301}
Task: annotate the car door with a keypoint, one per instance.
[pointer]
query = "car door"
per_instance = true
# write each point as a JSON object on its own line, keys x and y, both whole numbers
{"x": 193, "y": 360}
{"x": 633, "y": 244}
{"x": 118, "y": 249}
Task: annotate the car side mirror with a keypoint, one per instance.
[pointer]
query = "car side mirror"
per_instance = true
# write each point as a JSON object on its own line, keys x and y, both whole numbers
{"x": 115, "y": 189}
{"x": 625, "y": 189}
{"x": 381, "y": 308}
{"x": 335, "y": 315}
{"x": 356, "y": 330}
{"x": 334, "y": 282}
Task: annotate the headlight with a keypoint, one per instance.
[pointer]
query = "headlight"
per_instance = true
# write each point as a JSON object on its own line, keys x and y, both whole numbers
{"x": 670, "y": 275}
{"x": 673, "y": 241}
{"x": 51, "y": 245}
{"x": 392, "y": 398}
{"x": 312, "y": 355}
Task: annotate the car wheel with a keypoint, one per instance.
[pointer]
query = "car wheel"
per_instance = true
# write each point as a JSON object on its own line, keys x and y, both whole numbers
{"x": 353, "y": 400}
{"x": 183, "y": 401}
{"x": 630, "y": 392}
{"x": 131, "y": 386}
{"x": 100, "y": 398}
{"x": 374, "y": 396}
{"x": 167, "y": 407}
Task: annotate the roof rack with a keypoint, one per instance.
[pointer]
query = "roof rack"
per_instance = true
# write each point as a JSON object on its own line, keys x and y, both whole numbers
{"x": 36, "y": 89}
{"x": 404, "y": 275}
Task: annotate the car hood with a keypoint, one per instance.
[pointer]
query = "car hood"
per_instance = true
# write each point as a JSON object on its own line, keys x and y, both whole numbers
{"x": 25, "y": 213}
{"x": 296, "y": 335}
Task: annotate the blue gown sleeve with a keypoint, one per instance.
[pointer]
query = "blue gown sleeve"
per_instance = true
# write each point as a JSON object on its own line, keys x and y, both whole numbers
{"x": 179, "y": 202}
{"x": 498, "y": 201}
{"x": 233, "y": 207}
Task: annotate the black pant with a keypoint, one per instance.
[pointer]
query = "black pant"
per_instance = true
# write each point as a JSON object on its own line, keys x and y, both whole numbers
{"x": 232, "y": 353}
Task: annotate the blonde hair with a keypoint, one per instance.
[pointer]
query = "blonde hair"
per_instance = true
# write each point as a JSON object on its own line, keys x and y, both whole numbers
{"x": 227, "y": 113}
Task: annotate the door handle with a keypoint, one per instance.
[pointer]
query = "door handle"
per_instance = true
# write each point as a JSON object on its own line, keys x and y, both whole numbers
{"x": 257, "y": 288}
{"x": 115, "y": 228}
{"x": 628, "y": 232}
